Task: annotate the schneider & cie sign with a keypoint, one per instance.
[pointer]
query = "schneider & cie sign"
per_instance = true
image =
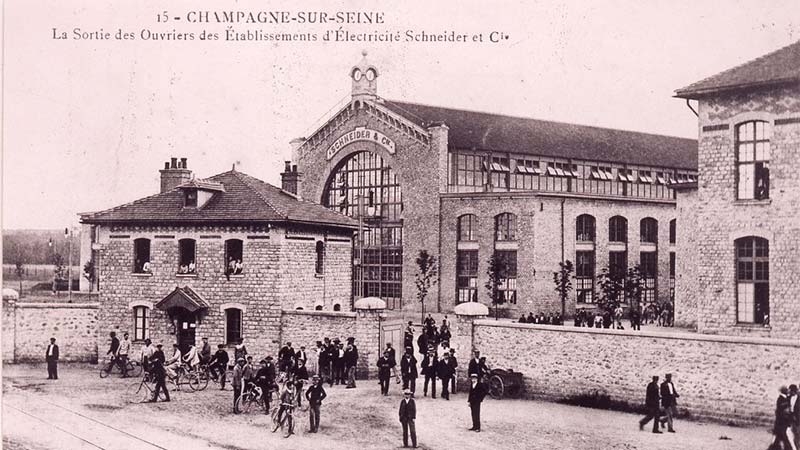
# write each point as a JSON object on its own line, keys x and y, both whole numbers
{"x": 361, "y": 134}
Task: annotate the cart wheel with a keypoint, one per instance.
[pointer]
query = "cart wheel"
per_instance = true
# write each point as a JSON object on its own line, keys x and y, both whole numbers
{"x": 496, "y": 387}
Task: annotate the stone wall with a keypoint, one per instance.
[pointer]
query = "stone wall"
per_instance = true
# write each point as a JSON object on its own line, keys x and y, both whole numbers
{"x": 686, "y": 267}
{"x": 732, "y": 379}
{"x": 28, "y": 327}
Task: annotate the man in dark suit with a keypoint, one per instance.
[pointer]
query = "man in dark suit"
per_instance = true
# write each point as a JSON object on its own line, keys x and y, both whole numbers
{"x": 668, "y": 396}
{"x": 160, "y": 373}
{"x": 783, "y": 420}
{"x": 384, "y": 372}
{"x": 477, "y": 391}
{"x": 408, "y": 414}
{"x": 475, "y": 365}
{"x": 445, "y": 372}
{"x": 51, "y": 356}
{"x": 408, "y": 370}
{"x": 652, "y": 403}
{"x": 429, "y": 365}
{"x": 454, "y": 365}
{"x": 794, "y": 406}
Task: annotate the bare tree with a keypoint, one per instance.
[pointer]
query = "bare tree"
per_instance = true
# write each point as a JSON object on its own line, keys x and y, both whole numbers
{"x": 425, "y": 277}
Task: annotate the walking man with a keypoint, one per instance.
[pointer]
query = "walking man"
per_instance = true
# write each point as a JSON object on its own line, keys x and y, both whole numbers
{"x": 112, "y": 350}
{"x": 783, "y": 421}
{"x": 51, "y": 356}
{"x": 408, "y": 370}
{"x": 160, "y": 374}
{"x": 429, "y": 365}
{"x": 668, "y": 396}
{"x": 408, "y": 414}
{"x": 652, "y": 403}
{"x": 477, "y": 391}
{"x": 454, "y": 365}
{"x": 384, "y": 372}
{"x": 122, "y": 354}
{"x": 445, "y": 371}
{"x": 315, "y": 395}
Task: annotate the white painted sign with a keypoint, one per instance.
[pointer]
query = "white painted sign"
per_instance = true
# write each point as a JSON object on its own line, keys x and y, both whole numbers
{"x": 361, "y": 134}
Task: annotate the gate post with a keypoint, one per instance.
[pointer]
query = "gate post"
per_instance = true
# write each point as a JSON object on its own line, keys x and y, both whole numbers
{"x": 463, "y": 338}
{"x": 369, "y": 314}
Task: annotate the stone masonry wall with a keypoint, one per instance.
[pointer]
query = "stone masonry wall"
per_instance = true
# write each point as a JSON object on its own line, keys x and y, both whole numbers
{"x": 8, "y": 329}
{"x": 28, "y": 327}
{"x": 721, "y": 378}
{"x": 686, "y": 270}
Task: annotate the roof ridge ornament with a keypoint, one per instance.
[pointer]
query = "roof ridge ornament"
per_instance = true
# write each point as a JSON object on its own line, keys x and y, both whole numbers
{"x": 365, "y": 79}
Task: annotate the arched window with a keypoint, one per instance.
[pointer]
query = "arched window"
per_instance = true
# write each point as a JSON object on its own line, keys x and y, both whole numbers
{"x": 141, "y": 323}
{"x": 584, "y": 228}
{"x": 318, "y": 308}
{"x": 648, "y": 230}
{"x": 618, "y": 229}
{"x": 752, "y": 160}
{"x": 673, "y": 231}
{"x": 505, "y": 227}
{"x": 337, "y": 307}
{"x": 233, "y": 326}
{"x": 186, "y": 256}
{"x": 319, "y": 266}
{"x": 141, "y": 255}
{"x": 233, "y": 257}
{"x": 752, "y": 280}
{"x": 467, "y": 228}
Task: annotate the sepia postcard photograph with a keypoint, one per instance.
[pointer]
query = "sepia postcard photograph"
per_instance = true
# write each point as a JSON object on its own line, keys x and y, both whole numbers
{"x": 354, "y": 224}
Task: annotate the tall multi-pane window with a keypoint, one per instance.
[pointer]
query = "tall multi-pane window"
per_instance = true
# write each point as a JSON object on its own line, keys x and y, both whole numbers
{"x": 500, "y": 171}
{"x": 584, "y": 276}
{"x": 672, "y": 276}
{"x": 233, "y": 256}
{"x": 618, "y": 229}
{"x": 186, "y": 256}
{"x": 617, "y": 263}
{"x": 466, "y": 276}
{"x": 752, "y": 280}
{"x": 141, "y": 323}
{"x": 468, "y": 170}
{"x": 505, "y": 226}
{"x": 141, "y": 255}
{"x": 233, "y": 326}
{"x": 508, "y": 285}
{"x": 467, "y": 228}
{"x": 752, "y": 160}
{"x": 319, "y": 264}
{"x": 673, "y": 231}
{"x": 584, "y": 228}
{"x": 648, "y": 230}
{"x": 648, "y": 265}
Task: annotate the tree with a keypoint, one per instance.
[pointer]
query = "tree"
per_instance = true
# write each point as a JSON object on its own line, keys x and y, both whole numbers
{"x": 89, "y": 273}
{"x": 563, "y": 282}
{"x": 634, "y": 284}
{"x": 59, "y": 271}
{"x": 497, "y": 271}
{"x": 612, "y": 288}
{"x": 17, "y": 251}
{"x": 425, "y": 277}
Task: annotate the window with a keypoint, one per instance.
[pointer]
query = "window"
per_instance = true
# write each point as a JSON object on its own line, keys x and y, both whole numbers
{"x": 617, "y": 263}
{"x": 233, "y": 257}
{"x": 190, "y": 198}
{"x": 557, "y": 169}
{"x": 648, "y": 230}
{"x": 233, "y": 326}
{"x": 584, "y": 228}
{"x": 186, "y": 257}
{"x": 672, "y": 276}
{"x": 337, "y": 307}
{"x": 752, "y": 160}
{"x": 752, "y": 280}
{"x": 141, "y": 256}
{"x": 672, "y": 231}
{"x": 528, "y": 166}
{"x": 648, "y": 266}
{"x": 469, "y": 170}
{"x": 318, "y": 308}
{"x": 141, "y": 323}
{"x": 618, "y": 229}
{"x": 584, "y": 276}
{"x": 505, "y": 226}
{"x": 467, "y": 227}
{"x": 625, "y": 175}
{"x": 508, "y": 285}
{"x": 645, "y": 176}
{"x": 500, "y": 171}
{"x": 601, "y": 173}
{"x": 466, "y": 276}
{"x": 319, "y": 266}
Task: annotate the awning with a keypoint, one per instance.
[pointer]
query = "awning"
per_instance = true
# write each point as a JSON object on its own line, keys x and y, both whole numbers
{"x": 184, "y": 298}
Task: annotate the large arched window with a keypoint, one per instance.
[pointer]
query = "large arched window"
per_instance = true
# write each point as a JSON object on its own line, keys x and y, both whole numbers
{"x": 584, "y": 228}
{"x": 365, "y": 178}
{"x": 618, "y": 229}
{"x": 752, "y": 160}
{"x": 467, "y": 228}
{"x": 648, "y": 230}
{"x": 752, "y": 280}
{"x": 505, "y": 227}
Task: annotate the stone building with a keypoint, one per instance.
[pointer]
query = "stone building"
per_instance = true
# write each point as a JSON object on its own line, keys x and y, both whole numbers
{"x": 741, "y": 274}
{"x": 465, "y": 185}
{"x": 217, "y": 258}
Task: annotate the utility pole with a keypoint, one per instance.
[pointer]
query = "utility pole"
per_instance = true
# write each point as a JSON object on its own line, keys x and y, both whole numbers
{"x": 360, "y": 285}
{"x": 68, "y": 236}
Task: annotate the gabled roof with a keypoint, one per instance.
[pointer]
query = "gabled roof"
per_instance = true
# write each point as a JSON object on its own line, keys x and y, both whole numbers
{"x": 245, "y": 200}
{"x": 185, "y": 298}
{"x": 500, "y": 133}
{"x": 779, "y": 67}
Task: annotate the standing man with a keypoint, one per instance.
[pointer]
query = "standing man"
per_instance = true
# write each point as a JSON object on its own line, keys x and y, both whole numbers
{"x": 392, "y": 360}
{"x": 429, "y": 365}
{"x": 238, "y": 376}
{"x": 475, "y": 365}
{"x": 160, "y": 374}
{"x": 783, "y": 420}
{"x": 445, "y": 372}
{"x": 651, "y": 402}
{"x": 408, "y": 370}
{"x": 205, "y": 352}
{"x": 338, "y": 362}
{"x": 315, "y": 395}
{"x": 454, "y": 365}
{"x": 668, "y": 396}
{"x": 147, "y": 353}
{"x": 112, "y": 350}
{"x": 384, "y": 372}
{"x": 122, "y": 354}
{"x": 351, "y": 361}
{"x": 408, "y": 336}
{"x": 477, "y": 391}
{"x": 408, "y": 414}
{"x": 302, "y": 356}
{"x": 51, "y": 356}
{"x": 794, "y": 406}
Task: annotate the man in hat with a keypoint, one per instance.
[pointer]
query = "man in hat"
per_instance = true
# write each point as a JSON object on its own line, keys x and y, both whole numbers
{"x": 205, "y": 352}
{"x": 783, "y": 420}
{"x": 408, "y": 369}
{"x": 315, "y": 395}
{"x": 219, "y": 362}
{"x": 408, "y": 336}
{"x": 160, "y": 374}
{"x": 392, "y": 360}
{"x": 477, "y": 392}
{"x": 384, "y": 372}
{"x": 338, "y": 361}
{"x": 668, "y": 396}
{"x": 445, "y": 372}
{"x": 122, "y": 354}
{"x": 350, "y": 362}
{"x": 263, "y": 382}
{"x": 454, "y": 364}
{"x": 652, "y": 403}
{"x": 238, "y": 376}
{"x": 408, "y": 414}
{"x": 51, "y": 356}
{"x": 429, "y": 364}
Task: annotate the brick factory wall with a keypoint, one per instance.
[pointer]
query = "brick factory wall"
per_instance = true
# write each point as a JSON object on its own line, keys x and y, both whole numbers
{"x": 721, "y": 378}
{"x": 686, "y": 268}
{"x": 28, "y": 327}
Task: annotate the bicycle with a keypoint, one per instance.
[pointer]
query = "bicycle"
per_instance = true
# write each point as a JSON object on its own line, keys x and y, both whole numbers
{"x": 285, "y": 423}
{"x": 134, "y": 368}
{"x": 253, "y": 396}
{"x": 143, "y": 392}
{"x": 192, "y": 378}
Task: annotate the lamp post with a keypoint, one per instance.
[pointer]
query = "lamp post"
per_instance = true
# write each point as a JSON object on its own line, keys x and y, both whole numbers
{"x": 68, "y": 237}
{"x": 52, "y": 258}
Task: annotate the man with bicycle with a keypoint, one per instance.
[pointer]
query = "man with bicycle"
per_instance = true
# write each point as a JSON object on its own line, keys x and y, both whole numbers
{"x": 264, "y": 381}
{"x": 112, "y": 350}
{"x": 219, "y": 361}
{"x": 122, "y": 354}
{"x": 287, "y": 405}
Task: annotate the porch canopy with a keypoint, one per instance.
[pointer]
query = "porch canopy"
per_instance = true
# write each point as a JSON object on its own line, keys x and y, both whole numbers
{"x": 182, "y": 297}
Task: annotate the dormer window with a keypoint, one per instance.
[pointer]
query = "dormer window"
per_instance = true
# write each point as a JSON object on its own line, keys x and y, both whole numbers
{"x": 190, "y": 198}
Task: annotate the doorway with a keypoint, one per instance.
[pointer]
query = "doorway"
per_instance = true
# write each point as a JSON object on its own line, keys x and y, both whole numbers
{"x": 186, "y": 324}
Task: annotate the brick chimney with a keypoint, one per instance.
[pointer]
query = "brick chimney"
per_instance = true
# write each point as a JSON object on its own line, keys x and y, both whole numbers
{"x": 290, "y": 178}
{"x": 174, "y": 174}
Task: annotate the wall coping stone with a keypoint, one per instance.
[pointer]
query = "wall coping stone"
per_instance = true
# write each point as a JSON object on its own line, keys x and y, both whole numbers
{"x": 59, "y": 305}
{"x": 645, "y": 334}
{"x": 471, "y": 309}
{"x": 297, "y": 312}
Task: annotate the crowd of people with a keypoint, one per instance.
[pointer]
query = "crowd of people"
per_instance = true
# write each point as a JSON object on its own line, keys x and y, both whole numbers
{"x": 542, "y": 319}
{"x": 786, "y": 431}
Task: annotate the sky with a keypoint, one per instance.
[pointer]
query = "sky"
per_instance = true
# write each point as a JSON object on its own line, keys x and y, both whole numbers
{"x": 87, "y": 124}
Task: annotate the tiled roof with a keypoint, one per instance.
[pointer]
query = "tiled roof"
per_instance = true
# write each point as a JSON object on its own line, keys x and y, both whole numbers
{"x": 246, "y": 199}
{"x": 779, "y": 67}
{"x": 500, "y": 133}
{"x": 203, "y": 184}
{"x": 185, "y": 298}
